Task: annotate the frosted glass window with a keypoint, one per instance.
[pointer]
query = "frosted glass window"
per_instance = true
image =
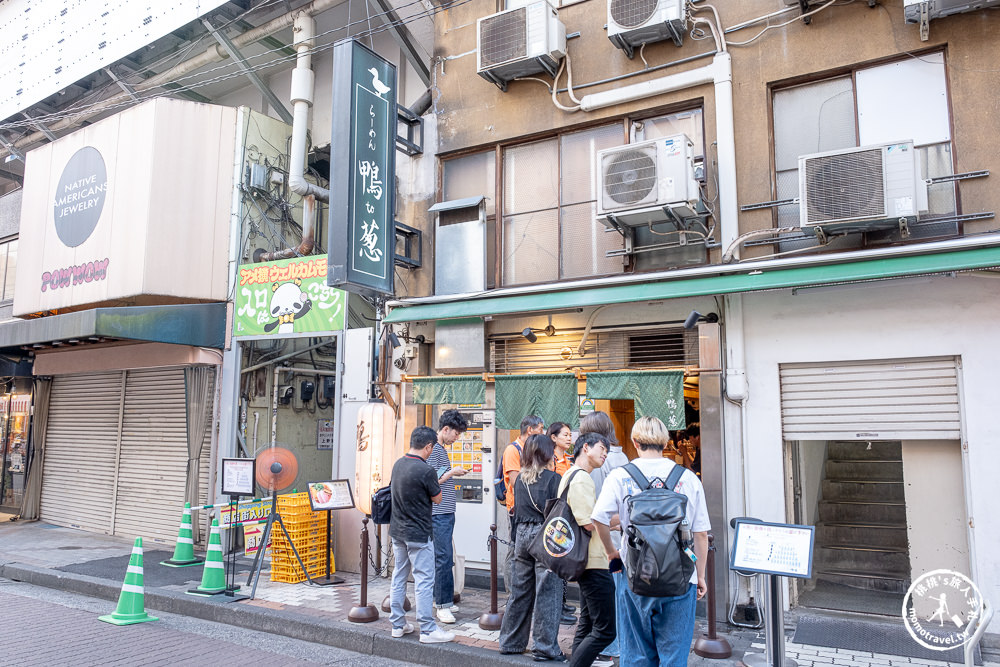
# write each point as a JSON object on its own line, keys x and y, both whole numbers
{"x": 471, "y": 176}
{"x": 813, "y": 118}
{"x": 531, "y": 177}
{"x": 584, "y": 243}
{"x": 531, "y": 247}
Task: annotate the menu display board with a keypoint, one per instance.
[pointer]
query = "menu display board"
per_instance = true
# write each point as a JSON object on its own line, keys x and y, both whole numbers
{"x": 467, "y": 452}
{"x": 773, "y": 548}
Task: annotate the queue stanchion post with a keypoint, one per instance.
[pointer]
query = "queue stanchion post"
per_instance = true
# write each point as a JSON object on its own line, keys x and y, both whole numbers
{"x": 492, "y": 619}
{"x": 710, "y": 645}
{"x": 364, "y": 612}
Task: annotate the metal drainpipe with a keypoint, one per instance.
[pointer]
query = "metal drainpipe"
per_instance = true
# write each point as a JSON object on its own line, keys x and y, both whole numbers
{"x": 302, "y": 100}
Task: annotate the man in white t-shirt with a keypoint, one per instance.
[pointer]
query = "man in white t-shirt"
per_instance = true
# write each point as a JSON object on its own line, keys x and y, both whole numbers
{"x": 654, "y": 630}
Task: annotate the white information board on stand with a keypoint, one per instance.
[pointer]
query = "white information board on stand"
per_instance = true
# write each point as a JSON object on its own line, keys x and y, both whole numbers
{"x": 773, "y": 548}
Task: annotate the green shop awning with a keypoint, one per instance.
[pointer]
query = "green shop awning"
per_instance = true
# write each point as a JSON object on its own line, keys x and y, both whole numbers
{"x": 197, "y": 324}
{"x": 450, "y": 390}
{"x": 553, "y": 397}
{"x": 729, "y": 280}
{"x": 656, "y": 393}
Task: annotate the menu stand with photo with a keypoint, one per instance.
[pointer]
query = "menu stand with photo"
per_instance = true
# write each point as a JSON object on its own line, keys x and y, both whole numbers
{"x": 327, "y": 496}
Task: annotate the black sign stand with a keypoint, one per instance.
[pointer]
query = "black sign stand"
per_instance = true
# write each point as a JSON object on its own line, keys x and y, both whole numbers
{"x": 235, "y": 475}
{"x": 311, "y": 487}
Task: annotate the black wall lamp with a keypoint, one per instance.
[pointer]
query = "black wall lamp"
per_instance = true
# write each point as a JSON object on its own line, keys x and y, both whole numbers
{"x": 695, "y": 317}
{"x": 529, "y": 333}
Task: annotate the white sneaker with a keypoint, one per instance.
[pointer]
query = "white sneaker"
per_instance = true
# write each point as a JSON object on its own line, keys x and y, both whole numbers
{"x": 445, "y": 616}
{"x": 603, "y": 662}
{"x": 439, "y": 636}
{"x": 453, "y": 608}
{"x": 405, "y": 630}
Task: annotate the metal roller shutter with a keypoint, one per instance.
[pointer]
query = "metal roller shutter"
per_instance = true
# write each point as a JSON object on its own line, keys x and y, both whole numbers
{"x": 903, "y": 399}
{"x": 153, "y": 461}
{"x": 78, "y": 473}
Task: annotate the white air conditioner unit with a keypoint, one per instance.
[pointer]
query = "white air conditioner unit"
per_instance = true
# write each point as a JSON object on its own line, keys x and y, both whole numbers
{"x": 520, "y": 42}
{"x": 861, "y": 189}
{"x": 937, "y": 9}
{"x": 648, "y": 182}
{"x": 632, "y": 23}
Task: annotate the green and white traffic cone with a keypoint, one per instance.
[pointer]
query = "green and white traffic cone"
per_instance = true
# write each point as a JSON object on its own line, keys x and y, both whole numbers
{"x": 213, "y": 577}
{"x": 130, "y": 603}
{"x": 184, "y": 548}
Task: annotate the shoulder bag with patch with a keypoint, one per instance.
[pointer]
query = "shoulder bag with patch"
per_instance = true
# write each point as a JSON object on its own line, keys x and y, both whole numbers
{"x": 562, "y": 544}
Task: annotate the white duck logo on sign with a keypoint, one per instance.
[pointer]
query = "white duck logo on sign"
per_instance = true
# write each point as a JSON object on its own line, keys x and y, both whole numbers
{"x": 380, "y": 87}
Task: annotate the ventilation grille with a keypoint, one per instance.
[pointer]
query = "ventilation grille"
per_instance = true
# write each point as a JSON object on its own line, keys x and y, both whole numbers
{"x": 632, "y": 13}
{"x": 647, "y": 347}
{"x": 846, "y": 186}
{"x": 503, "y": 38}
{"x": 629, "y": 176}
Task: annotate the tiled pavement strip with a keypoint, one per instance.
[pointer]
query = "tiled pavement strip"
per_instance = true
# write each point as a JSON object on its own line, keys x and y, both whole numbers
{"x": 50, "y": 547}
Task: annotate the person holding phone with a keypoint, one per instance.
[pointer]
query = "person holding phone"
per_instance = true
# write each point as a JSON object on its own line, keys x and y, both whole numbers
{"x": 451, "y": 426}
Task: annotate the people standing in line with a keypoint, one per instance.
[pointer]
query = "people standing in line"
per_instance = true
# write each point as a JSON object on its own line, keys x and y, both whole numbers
{"x": 451, "y": 426}
{"x": 562, "y": 438}
{"x": 511, "y": 466}
{"x": 414, "y": 490}
{"x": 597, "y": 589}
{"x": 600, "y": 423}
{"x": 535, "y": 592}
{"x": 654, "y": 630}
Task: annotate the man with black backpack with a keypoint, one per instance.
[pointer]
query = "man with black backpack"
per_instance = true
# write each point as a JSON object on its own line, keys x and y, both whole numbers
{"x": 665, "y": 524}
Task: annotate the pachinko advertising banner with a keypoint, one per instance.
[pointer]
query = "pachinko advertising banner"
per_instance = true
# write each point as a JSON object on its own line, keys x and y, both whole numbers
{"x": 287, "y": 297}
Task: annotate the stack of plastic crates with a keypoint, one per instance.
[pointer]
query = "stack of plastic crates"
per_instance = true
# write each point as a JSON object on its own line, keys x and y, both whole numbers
{"x": 308, "y": 532}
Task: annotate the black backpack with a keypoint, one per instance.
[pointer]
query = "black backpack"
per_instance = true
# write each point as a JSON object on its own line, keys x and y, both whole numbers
{"x": 657, "y": 563}
{"x": 499, "y": 484}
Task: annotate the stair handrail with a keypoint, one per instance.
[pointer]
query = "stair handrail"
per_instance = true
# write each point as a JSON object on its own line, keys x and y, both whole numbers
{"x": 984, "y": 622}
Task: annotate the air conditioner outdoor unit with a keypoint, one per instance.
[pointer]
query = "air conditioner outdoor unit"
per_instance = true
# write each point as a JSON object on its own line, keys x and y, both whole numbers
{"x": 937, "y": 9}
{"x": 632, "y": 23}
{"x": 647, "y": 182}
{"x": 520, "y": 42}
{"x": 861, "y": 189}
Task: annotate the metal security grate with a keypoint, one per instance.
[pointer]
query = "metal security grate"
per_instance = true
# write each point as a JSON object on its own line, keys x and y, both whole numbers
{"x": 503, "y": 38}
{"x": 632, "y": 13}
{"x": 629, "y": 176}
{"x": 645, "y": 347}
{"x": 847, "y": 186}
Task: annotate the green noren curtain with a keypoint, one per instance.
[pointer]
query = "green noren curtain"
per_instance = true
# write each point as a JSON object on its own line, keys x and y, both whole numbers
{"x": 551, "y": 397}
{"x": 450, "y": 390}
{"x": 656, "y": 393}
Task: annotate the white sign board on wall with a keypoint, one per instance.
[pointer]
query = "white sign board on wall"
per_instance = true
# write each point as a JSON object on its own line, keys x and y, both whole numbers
{"x": 50, "y": 44}
{"x": 136, "y": 206}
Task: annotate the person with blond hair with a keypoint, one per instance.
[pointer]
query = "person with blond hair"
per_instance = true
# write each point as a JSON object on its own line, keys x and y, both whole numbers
{"x": 653, "y": 630}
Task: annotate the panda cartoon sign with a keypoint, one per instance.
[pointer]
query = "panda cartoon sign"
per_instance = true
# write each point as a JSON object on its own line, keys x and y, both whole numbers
{"x": 288, "y": 303}
{"x": 287, "y": 297}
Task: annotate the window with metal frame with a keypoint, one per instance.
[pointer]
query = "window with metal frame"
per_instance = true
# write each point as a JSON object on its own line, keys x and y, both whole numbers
{"x": 898, "y": 101}
{"x": 8, "y": 269}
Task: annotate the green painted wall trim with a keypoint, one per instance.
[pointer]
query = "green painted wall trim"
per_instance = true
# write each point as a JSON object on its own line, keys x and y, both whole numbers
{"x": 754, "y": 280}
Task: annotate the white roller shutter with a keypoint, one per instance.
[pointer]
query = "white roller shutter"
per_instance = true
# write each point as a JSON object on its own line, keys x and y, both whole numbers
{"x": 907, "y": 399}
{"x": 78, "y": 472}
{"x": 153, "y": 462}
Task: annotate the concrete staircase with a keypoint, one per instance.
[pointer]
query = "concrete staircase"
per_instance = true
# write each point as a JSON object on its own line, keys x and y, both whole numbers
{"x": 861, "y": 533}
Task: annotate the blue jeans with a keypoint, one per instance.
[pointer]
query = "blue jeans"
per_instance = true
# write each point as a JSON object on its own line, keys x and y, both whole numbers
{"x": 420, "y": 559}
{"x": 612, "y": 648}
{"x": 443, "y": 526}
{"x": 655, "y": 631}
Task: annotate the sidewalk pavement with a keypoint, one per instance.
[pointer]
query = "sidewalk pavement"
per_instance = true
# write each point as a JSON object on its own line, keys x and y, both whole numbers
{"x": 94, "y": 565}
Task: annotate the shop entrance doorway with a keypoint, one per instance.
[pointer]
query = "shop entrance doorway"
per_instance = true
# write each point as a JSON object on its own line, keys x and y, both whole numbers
{"x": 15, "y": 412}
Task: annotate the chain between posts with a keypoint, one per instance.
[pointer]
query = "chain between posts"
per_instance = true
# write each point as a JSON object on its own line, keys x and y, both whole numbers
{"x": 384, "y": 569}
{"x": 490, "y": 538}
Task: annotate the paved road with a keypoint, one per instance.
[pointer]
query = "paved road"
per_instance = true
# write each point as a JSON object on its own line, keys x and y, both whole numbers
{"x": 46, "y": 627}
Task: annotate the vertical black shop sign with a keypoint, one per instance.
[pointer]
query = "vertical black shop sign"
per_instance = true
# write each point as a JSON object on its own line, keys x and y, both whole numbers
{"x": 361, "y": 224}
